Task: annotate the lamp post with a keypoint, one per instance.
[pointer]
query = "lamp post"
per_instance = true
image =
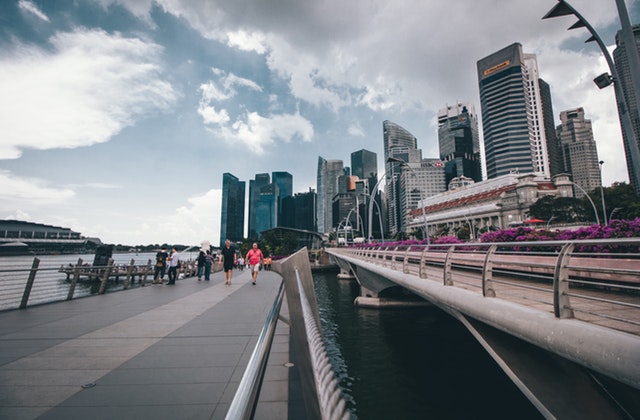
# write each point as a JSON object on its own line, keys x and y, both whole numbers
{"x": 424, "y": 215}
{"x": 604, "y": 206}
{"x": 549, "y": 221}
{"x": 614, "y": 212}
{"x": 564, "y": 9}
{"x": 372, "y": 196}
{"x": 590, "y": 200}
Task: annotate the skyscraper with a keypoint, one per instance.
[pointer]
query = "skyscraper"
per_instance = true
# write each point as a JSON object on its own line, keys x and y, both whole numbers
{"x": 364, "y": 165}
{"x": 623, "y": 68}
{"x": 553, "y": 144}
{"x": 266, "y": 209}
{"x": 401, "y": 144}
{"x": 512, "y": 115}
{"x": 580, "y": 155}
{"x": 232, "y": 217}
{"x": 459, "y": 141}
{"x": 255, "y": 186}
{"x": 284, "y": 181}
{"x": 327, "y": 187}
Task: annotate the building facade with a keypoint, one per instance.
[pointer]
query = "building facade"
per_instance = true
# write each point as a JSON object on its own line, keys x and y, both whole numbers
{"x": 459, "y": 142}
{"x": 512, "y": 114}
{"x": 255, "y": 187}
{"x": 284, "y": 181}
{"x": 579, "y": 151}
{"x": 232, "y": 214}
{"x": 327, "y": 187}
{"x": 364, "y": 165}
{"x": 623, "y": 69}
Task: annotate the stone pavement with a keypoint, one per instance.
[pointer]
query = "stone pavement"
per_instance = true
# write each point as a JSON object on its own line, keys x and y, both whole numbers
{"x": 156, "y": 352}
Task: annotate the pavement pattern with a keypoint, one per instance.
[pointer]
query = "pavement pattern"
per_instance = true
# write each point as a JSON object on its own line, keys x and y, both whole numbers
{"x": 155, "y": 352}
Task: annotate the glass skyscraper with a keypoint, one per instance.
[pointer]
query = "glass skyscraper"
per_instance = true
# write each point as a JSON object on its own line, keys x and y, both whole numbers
{"x": 327, "y": 187}
{"x": 255, "y": 187}
{"x": 512, "y": 114}
{"x": 232, "y": 217}
{"x": 284, "y": 181}
{"x": 459, "y": 142}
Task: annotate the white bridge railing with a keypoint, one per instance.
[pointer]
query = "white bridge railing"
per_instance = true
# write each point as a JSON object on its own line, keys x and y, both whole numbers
{"x": 597, "y": 281}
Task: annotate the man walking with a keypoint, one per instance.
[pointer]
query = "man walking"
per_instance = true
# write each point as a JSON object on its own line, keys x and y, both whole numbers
{"x": 161, "y": 266}
{"x": 254, "y": 257}
{"x": 228, "y": 259}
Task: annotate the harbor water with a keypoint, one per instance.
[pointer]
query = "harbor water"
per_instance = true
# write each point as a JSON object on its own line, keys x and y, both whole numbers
{"x": 415, "y": 363}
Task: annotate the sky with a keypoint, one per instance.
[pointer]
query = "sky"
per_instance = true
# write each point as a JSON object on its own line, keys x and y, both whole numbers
{"x": 119, "y": 117}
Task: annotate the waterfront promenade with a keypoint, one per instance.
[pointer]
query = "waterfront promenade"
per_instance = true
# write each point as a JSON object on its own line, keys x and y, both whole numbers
{"x": 155, "y": 352}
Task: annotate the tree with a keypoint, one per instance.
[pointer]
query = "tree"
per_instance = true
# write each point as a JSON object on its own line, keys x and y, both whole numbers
{"x": 623, "y": 197}
{"x": 562, "y": 209}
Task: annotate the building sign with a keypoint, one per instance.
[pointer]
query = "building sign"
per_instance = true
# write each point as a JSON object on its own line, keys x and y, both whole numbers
{"x": 496, "y": 68}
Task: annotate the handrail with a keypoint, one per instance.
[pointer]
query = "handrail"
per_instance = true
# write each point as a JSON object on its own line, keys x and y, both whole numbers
{"x": 332, "y": 404}
{"x": 245, "y": 400}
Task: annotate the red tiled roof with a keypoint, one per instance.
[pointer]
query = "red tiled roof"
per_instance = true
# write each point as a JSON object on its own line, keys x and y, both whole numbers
{"x": 475, "y": 198}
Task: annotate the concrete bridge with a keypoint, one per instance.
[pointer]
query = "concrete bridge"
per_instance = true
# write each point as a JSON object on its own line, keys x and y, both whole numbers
{"x": 561, "y": 319}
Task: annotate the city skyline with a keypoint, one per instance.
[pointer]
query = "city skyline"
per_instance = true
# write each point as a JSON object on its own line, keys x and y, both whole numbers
{"x": 120, "y": 117}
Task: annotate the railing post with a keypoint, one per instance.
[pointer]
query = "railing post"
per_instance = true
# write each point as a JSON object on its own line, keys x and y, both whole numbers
{"x": 146, "y": 273}
{"x": 393, "y": 258}
{"x": 105, "y": 276}
{"x": 129, "y": 272}
{"x": 423, "y": 263}
{"x": 29, "y": 285}
{"x": 405, "y": 261}
{"x": 487, "y": 273}
{"x": 448, "y": 280}
{"x": 561, "y": 303}
{"x": 76, "y": 277}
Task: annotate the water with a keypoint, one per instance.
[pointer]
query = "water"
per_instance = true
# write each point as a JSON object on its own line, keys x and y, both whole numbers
{"x": 417, "y": 363}
{"x": 52, "y": 286}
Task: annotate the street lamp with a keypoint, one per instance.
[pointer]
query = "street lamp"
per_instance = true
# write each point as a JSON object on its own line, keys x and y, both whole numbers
{"x": 372, "y": 196}
{"x": 590, "y": 200}
{"x": 604, "y": 207}
{"x": 549, "y": 221}
{"x": 564, "y": 9}
{"x": 424, "y": 215}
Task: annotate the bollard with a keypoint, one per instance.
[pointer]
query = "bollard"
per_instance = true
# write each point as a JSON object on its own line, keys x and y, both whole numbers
{"x": 129, "y": 272}
{"x": 76, "y": 277}
{"x": 105, "y": 276}
{"x": 32, "y": 277}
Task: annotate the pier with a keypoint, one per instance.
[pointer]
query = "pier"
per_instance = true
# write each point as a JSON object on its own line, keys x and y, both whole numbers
{"x": 158, "y": 352}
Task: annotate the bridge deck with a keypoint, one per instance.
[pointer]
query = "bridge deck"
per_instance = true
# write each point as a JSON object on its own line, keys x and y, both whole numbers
{"x": 156, "y": 352}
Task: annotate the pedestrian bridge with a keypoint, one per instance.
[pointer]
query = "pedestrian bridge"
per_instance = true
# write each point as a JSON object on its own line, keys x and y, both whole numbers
{"x": 562, "y": 319}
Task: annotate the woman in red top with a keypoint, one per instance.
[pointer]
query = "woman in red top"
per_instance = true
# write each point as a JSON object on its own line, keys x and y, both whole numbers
{"x": 254, "y": 258}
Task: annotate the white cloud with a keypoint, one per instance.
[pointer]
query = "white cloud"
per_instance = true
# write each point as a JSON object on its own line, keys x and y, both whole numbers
{"x": 30, "y": 7}
{"x": 17, "y": 193}
{"x": 85, "y": 90}
{"x": 244, "y": 41}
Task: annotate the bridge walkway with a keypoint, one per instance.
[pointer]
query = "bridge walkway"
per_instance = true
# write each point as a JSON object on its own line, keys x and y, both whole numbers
{"x": 156, "y": 352}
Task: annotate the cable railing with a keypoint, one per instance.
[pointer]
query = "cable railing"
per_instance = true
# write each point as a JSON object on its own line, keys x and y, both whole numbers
{"x": 597, "y": 281}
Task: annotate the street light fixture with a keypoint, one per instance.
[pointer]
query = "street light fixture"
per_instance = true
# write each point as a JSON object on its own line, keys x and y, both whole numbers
{"x": 564, "y": 9}
{"x": 604, "y": 206}
{"x": 424, "y": 215}
{"x": 595, "y": 212}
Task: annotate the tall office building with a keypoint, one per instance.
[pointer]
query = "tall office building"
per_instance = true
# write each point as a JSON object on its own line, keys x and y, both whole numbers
{"x": 364, "y": 165}
{"x": 232, "y": 217}
{"x": 284, "y": 181}
{"x": 427, "y": 178}
{"x": 580, "y": 155}
{"x": 327, "y": 187}
{"x": 255, "y": 186}
{"x": 266, "y": 209}
{"x": 300, "y": 211}
{"x": 401, "y": 144}
{"x": 553, "y": 143}
{"x": 512, "y": 115}
{"x": 459, "y": 141}
{"x": 624, "y": 74}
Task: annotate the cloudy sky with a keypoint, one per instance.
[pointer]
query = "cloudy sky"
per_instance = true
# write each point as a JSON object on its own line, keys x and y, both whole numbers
{"x": 119, "y": 117}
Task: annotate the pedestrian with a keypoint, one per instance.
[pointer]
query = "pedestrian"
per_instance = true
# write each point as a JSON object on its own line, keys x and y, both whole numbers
{"x": 267, "y": 263}
{"x": 174, "y": 263}
{"x": 161, "y": 266}
{"x": 201, "y": 264}
{"x": 228, "y": 260}
{"x": 208, "y": 260}
{"x": 254, "y": 258}
{"x": 240, "y": 263}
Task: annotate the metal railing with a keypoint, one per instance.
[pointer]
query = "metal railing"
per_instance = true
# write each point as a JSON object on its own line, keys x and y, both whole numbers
{"x": 245, "y": 400}
{"x": 597, "y": 281}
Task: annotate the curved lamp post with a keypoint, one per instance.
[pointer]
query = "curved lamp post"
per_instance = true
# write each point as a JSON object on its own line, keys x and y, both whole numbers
{"x": 424, "y": 215}
{"x": 604, "y": 206}
{"x": 372, "y": 196}
{"x": 564, "y": 9}
{"x": 590, "y": 200}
